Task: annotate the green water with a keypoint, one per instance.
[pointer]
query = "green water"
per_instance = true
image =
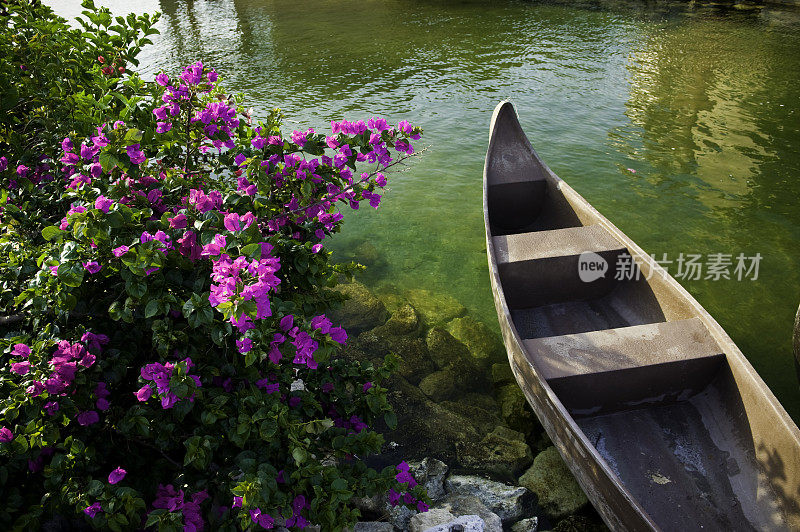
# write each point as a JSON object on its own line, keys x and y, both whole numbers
{"x": 701, "y": 101}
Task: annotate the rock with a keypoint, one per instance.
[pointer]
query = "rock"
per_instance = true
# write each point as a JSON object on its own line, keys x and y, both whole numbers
{"x": 361, "y": 311}
{"x": 435, "y": 308}
{"x": 551, "y": 480}
{"x": 425, "y": 429}
{"x": 510, "y": 503}
{"x": 367, "y": 254}
{"x": 439, "y": 385}
{"x": 404, "y": 320}
{"x": 483, "y": 343}
{"x": 391, "y": 300}
{"x": 430, "y": 473}
{"x": 526, "y": 525}
{"x": 373, "y": 526}
{"x": 399, "y": 516}
{"x": 516, "y": 411}
{"x": 503, "y": 452}
{"x": 461, "y": 505}
{"x": 415, "y": 362}
{"x": 484, "y": 420}
{"x": 432, "y": 518}
{"x": 501, "y": 374}
{"x": 579, "y": 523}
{"x": 469, "y": 523}
{"x": 444, "y": 349}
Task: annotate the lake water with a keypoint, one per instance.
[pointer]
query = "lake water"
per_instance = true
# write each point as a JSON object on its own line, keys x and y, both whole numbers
{"x": 678, "y": 121}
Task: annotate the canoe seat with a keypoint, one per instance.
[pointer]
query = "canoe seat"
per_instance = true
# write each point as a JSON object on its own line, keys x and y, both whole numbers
{"x": 624, "y": 367}
{"x": 542, "y": 267}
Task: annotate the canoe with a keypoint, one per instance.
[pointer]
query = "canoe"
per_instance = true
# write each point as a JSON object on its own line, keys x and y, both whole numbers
{"x": 659, "y": 416}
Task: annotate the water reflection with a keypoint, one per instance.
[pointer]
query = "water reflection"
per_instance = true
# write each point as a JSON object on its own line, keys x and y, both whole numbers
{"x": 700, "y": 100}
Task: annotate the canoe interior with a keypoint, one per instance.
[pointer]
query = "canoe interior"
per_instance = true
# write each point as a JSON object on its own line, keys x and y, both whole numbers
{"x": 680, "y": 423}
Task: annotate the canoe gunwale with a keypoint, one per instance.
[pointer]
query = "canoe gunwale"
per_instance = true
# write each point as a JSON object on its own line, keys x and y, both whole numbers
{"x": 617, "y": 505}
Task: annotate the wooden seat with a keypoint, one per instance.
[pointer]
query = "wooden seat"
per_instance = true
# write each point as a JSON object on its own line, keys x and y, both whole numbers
{"x": 627, "y": 366}
{"x": 542, "y": 267}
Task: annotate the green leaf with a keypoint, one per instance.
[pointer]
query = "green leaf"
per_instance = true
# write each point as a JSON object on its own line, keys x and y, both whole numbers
{"x": 391, "y": 420}
{"x": 50, "y": 232}
{"x": 152, "y": 308}
{"x": 70, "y": 273}
{"x": 108, "y": 162}
{"x": 300, "y": 455}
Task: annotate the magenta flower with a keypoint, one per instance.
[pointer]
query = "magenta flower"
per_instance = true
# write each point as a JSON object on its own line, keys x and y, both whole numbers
{"x": 162, "y": 79}
{"x": 4, "y": 162}
{"x": 144, "y": 393}
{"x": 367, "y": 386}
{"x": 6, "y": 435}
{"x": 92, "y": 266}
{"x": 89, "y": 417}
{"x": 51, "y": 408}
{"x": 316, "y": 248}
{"x": 237, "y": 502}
{"x": 21, "y": 350}
{"x": 135, "y": 153}
{"x": 35, "y": 389}
{"x": 120, "y": 251}
{"x": 103, "y": 203}
{"x": 232, "y": 222}
{"x": 102, "y": 404}
{"x": 244, "y": 345}
{"x": 93, "y": 510}
{"x": 21, "y": 368}
{"x": 116, "y": 475}
{"x": 163, "y": 127}
{"x": 178, "y": 221}
{"x": 212, "y": 76}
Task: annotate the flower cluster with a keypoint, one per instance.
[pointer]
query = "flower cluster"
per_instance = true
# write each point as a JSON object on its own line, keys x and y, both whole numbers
{"x": 405, "y": 478}
{"x": 172, "y": 500}
{"x": 161, "y": 375}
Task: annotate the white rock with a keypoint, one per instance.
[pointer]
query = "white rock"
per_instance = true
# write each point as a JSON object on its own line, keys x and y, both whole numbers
{"x": 430, "y": 473}
{"x": 471, "y": 523}
{"x": 508, "y": 502}
{"x": 432, "y": 518}
{"x": 460, "y": 505}
{"x": 373, "y": 526}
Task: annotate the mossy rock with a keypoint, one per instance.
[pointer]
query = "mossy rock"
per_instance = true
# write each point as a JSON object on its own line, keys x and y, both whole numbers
{"x": 361, "y": 311}
{"x": 551, "y": 480}
{"x": 435, "y": 308}
{"x": 424, "y": 428}
{"x": 502, "y": 374}
{"x": 444, "y": 349}
{"x": 403, "y": 321}
{"x": 439, "y": 385}
{"x": 503, "y": 453}
{"x": 580, "y": 523}
{"x": 483, "y": 343}
{"x": 483, "y": 419}
{"x": 515, "y": 410}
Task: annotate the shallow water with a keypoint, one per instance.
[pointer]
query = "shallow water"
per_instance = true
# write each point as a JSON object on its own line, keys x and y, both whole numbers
{"x": 679, "y": 122}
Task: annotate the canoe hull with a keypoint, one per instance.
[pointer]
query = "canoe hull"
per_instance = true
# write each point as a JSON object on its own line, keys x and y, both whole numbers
{"x": 720, "y": 453}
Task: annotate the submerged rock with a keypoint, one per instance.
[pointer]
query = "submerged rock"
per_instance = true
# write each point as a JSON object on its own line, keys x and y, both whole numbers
{"x": 503, "y": 452}
{"x": 502, "y": 374}
{"x": 483, "y": 343}
{"x": 361, "y": 311}
{"x": 485, "y": 420}
{"x": 439, "y": 385}
{"x": 551, "y": 480}
{"x": 435, "y": 308}
{"x": 415, "y": 362}
{"x": 516, "y": 411}
{"x": 510, "y": 503}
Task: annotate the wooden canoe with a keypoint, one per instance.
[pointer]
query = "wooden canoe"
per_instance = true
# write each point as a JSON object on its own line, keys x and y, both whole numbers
{"x": 662, "y": 420}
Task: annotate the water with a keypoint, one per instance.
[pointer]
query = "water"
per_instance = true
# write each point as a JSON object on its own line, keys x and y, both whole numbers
{"x": 699, "y": 100}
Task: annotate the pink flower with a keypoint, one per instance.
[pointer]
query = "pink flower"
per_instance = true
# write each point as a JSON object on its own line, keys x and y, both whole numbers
{"x": 102, "y": 405}
{"x": 231, "y": 222}
{"x": 21, "y": 368}
{"x": 21, "y": 350}
{"x": 144, "y": 393}
{"x": 89, "y": 417}
{"x": 51, "y": 408}
{"x": 178, "y": 221}
{"x": 367, "y": 386}
{"x": 120, "y": 251}
{"x": 116, "y": 475}
{"x": 244, "y": 345}
{"x": 93, "y": 510}
{"x": 6, "y": 435}
{"x": 103, "y": 203}
{"x": 92, "y": 266}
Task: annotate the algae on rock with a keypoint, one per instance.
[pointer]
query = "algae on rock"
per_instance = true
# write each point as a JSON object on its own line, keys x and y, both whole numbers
{"x": 361, "y": 311}
{"x": 551, "y": 480}
{"x": 435, "y": 308}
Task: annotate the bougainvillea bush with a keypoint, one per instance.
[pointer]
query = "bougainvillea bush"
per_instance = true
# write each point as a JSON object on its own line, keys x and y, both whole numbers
{"x": 167, "y": 359}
